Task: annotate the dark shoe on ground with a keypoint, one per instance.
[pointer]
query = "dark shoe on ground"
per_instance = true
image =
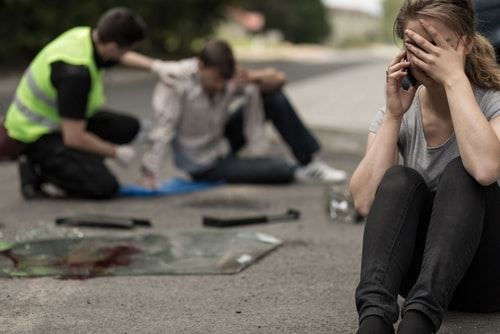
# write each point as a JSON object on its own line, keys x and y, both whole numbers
{"x": 374, "y": 325}
{"x": 30, "y": 179}
{"x": 415, "y": 322}
{"x": 31, "y": 192}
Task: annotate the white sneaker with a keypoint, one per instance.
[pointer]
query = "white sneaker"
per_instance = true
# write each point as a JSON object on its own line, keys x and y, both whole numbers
{"x": 319, "y": 172}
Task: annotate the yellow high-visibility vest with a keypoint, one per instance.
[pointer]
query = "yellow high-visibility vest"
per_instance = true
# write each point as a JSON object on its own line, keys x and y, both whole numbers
{"x": 33, "y": 112}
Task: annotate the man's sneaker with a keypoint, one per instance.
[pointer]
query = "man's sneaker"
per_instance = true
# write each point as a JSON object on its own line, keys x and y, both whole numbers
{"x": 319, "y": 172}
{"x": 32, "y": 192}
{"x": 30, "y": 179}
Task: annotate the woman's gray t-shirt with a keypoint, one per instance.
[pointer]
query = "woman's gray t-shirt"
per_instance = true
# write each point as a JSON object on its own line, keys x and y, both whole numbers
{"x": 430, "y": 162}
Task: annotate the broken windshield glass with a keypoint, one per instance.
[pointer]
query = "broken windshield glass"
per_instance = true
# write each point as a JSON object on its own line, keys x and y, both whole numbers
{"x": 188, "y": 252}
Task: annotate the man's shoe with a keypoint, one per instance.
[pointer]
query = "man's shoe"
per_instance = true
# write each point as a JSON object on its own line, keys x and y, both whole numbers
{"x": 319, "y": 172}
{"x": 30, "y": 179}
{"x": 31, "y": 192}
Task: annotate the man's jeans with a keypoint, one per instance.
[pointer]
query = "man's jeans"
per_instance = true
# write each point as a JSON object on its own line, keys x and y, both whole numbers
{"x": 249, "y": 170}
{"x": 281, "y": 113}
{"x": 265, "y": 170}
{"x": 439, "y": 250}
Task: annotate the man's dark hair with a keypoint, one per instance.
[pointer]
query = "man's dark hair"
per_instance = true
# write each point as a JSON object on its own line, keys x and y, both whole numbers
{"x": 218, "y": 54}
{"x": 122, "y": 26}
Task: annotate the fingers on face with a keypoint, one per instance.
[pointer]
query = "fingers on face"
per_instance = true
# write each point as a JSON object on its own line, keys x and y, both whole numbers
{"x": 417, "y": 52}
{"x": 420, "y": 41}
{"x": 419, "y": 63}
{"x": 436, "y": 35}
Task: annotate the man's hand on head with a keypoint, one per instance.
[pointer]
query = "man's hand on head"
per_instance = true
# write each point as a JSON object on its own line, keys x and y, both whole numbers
{"x": 242, "y": 76}
{"x": 268, "y": 79}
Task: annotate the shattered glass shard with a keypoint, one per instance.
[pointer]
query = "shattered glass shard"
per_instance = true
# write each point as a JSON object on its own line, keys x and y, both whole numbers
{"x": 189, "y": 252}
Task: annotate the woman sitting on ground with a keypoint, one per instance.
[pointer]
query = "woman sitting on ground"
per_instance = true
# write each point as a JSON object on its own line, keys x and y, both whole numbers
{"x": 433, "y": 224}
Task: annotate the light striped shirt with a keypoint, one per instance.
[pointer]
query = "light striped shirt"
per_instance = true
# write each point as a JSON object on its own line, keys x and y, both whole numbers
{"x": 192, "y": 122}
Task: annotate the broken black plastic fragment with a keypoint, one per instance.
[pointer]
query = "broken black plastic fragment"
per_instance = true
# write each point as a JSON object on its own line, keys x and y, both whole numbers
{"x": 100, "y": 221}
{"x": 290, "y": 215}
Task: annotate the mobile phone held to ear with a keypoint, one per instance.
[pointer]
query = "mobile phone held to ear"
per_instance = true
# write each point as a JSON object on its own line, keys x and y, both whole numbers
{"x": 409, "y": 80}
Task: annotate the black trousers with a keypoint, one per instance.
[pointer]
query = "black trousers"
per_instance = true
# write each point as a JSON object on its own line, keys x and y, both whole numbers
{"x": 299, "y": 139}
{"x": 280, "y": 112}
{"x": 78, "y": 173}
{"x": 438, "y": 250}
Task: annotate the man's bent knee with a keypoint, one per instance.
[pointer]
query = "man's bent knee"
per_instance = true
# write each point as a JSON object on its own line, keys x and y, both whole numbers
{"x": 102, "y": 188}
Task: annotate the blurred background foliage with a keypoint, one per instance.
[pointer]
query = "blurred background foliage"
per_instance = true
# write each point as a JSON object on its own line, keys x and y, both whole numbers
{"x": 390, "y": 9}
{"x": 173, "y": 25}
{"x": 300, "y": 21}
{"x": 176, "y": 28}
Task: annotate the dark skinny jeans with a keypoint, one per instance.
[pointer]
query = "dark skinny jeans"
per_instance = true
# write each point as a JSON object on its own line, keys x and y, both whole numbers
{"x": 299, "y": 139}
{"x": 438, "y": 250}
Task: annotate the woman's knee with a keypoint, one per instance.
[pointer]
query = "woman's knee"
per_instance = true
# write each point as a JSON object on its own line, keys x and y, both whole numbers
{"x": 456, "y": 177}
{"x": 400, "y": 178}
{"x": 455, "y": 168}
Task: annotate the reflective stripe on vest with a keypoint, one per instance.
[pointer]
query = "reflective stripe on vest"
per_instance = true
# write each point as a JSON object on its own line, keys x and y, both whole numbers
{"x": 34, "y": 116}
{"x": 37, "y": 92}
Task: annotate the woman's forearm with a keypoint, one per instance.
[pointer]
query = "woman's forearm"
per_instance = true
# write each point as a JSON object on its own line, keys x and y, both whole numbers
{"x": 381, "y": 154}
{"x": 477, "y": 142}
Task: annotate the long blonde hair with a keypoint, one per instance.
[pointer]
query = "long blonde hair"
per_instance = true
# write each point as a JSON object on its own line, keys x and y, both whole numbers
{"x": 459, "y": 15}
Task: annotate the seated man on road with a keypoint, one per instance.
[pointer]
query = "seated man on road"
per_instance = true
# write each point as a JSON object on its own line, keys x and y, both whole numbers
{"x": 62, "y": 134}
{"x": 191, "y": 113}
